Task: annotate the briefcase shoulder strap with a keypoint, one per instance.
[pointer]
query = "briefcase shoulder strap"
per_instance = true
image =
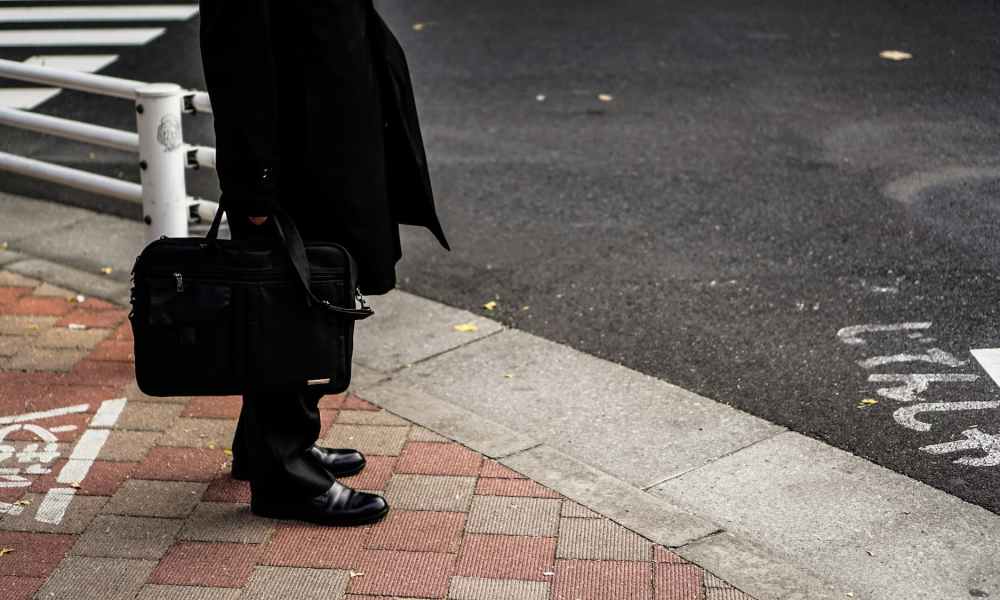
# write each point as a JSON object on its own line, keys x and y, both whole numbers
{"x": 296, "y": 248}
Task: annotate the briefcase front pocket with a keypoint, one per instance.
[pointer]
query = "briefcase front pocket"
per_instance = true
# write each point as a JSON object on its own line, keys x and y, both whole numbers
{"x": 192, "y": 326}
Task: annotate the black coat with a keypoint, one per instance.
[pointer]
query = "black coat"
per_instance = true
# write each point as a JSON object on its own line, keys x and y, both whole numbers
{"x": 314, "y": 108}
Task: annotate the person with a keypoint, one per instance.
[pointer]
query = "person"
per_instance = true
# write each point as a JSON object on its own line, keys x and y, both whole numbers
{"x": 313, "y": 110}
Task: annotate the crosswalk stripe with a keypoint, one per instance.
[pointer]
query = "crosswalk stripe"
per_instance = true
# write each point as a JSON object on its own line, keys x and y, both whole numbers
{"x": 135, "y": 36}
{"x": 85, "y": 63}
{"x": 25, "y": 98}
{"x": 122, "y": 12}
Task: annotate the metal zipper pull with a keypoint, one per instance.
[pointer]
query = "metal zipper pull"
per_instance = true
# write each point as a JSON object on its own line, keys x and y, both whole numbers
{"x": 360, "y": 297}
{"x": 180, "y": 281}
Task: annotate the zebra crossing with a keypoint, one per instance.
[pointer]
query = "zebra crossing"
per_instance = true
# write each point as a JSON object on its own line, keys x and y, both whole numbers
{"x": 34, "y": 27}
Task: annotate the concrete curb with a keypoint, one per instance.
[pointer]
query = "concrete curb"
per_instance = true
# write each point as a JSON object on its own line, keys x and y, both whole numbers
{"x": 780, "y": 515}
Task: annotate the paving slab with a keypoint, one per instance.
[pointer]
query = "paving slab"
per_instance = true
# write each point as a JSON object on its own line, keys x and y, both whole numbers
{"x": 141, "y": 498}
{"x": 640, "y": 428}
{"x": 84, "y": 282}
{"x": 25, "y": 218}
{"x": 600, "y": 539}
{"x": 9, "y": 256}
{"x": 478, "y": 588}
{"x": 186, "y": 592}
{"x": 80, "y": 512}
{"x": 408, "y": 328}
{"x": 429, "y": 492}
{"x": 118, "y": 536}
{"x": 514, "y": 516}
{"x": 226, "y": 522}
{"x": 652, "y": 517}
{"x": 368, "y": 439}
{"x": 289, "y": 583}
{"x": 73, "y": 244}
{"x": 868, "y": 529}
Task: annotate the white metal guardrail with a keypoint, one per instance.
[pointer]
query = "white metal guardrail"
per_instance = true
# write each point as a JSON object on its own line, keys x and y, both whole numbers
{"x": 158, "y": 140}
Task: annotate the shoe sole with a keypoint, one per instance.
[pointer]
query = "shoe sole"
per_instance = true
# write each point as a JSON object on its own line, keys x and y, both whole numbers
{"x": 343, "y": 474}
{"x": 331, "y": 522}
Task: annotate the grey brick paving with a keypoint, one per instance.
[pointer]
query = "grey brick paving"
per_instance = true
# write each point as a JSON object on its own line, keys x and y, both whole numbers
{"x": 116, "y": 536}
{"x": 128, "y": 446}
{"x": 33, "y": 358}
{"x": 368, "y": 439}
{"x": 476, "y": 588}
{"x": 10, "y": 279}
{"x": 64, "y": 337}
{"x": 144, "y": 498}
{"x": 134, "y": 394}
{"x": 79, "y": 514}
{"x": 514, "y": 516}
{"x": 52, "y": 291}
{"x": 370, "y": 417}
{"x": 430, "y": 492}
{"x": 420, "y": 434}
{"x": 199, "y": 433}
{"x": 226, "y": 522}
{"x": 148, "y": 416}
{"x": 94, "y": 578}
{"x": 25, "y": 325}
{"x": 600, "y": 539}
{"x": 12, "y": 344}
{"x": 288, "y": 583}
{"x": 185, "y": 592}
{"x": 573, "y": 510}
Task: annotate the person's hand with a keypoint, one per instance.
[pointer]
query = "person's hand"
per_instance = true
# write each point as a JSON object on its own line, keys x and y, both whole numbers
{"x": 258, "y": 220}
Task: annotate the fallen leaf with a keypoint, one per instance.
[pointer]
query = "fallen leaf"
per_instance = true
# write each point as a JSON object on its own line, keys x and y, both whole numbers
{"x": 605, "y": 97}
{"x": 896, "y": 55}
{"x": 869, "y": 401}
{"x": 540, "y": 97}
{"x": 492, "y": 304}
{"x": 23, "y": 503}
{"x": 466, "y": 327}
{"x": 525, "y": 307}
{"x": 508, "y": 375}
{"x": 421, "y": 25}
{"x": 227, "y": 451}
{"x": 106, "y": 270}
{"x": 5, "y": 551}
{"x": 74, "y": 484}
{"x": 357, "y": 574}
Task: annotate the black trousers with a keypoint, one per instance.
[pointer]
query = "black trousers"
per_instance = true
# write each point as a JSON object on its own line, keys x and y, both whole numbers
{"x": 277, "y": 424}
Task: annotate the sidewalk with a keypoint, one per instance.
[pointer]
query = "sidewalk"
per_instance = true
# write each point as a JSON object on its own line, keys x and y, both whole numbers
{"x": 110, "y": 494}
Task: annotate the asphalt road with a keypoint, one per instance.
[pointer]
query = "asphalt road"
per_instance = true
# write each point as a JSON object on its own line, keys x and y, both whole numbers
{"x": 755, "y": 179}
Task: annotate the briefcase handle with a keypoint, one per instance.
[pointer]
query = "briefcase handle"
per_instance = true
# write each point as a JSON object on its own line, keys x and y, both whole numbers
{"x": 292, "y": 241}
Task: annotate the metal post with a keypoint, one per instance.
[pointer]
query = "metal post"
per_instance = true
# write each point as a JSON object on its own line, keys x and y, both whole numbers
{"x": 162, "y": 157}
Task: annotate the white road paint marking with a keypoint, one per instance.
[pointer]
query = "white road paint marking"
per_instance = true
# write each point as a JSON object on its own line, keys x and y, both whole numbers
{"x": 86, "y": 450}
{"x": 122, "y": 12}
{"x": 135, "y": 36}
{"x": 107, "y": 414}
{"x": 933, "y": 355}
{"x": 914, "y": 384}
{"x": 8, "y": 508}
{"x": 45, "y": 414}
{"x": 62, "y": 428}
{"x": 989, "y": 360}
{"x": 974, "y": 440}
{"x": 53, "y": 507}
{"x": 852, "y": 335}
{"x": 84, "y": 63}
{"x": 907, "y": 415}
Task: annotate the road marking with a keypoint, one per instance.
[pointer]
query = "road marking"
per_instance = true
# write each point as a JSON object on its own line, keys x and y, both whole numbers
{"x": 974, "y": 440}
{"x": 914, "y": 384}
{"x": 907, "y": 415}
{"x": 989, "y": 360}
{"x": 852, "y": 335}
{"x": 933, "y": 355}
{"x": 84, "y": 63}
{"x": 45, "y": 414}
{"x": 125, "y": 12}
{"x": 57, "y": 500}
{"x": 135, "y": 36}
{"x": 107, "y": 414}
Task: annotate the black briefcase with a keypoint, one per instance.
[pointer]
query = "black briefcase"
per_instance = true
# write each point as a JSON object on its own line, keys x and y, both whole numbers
{"x": 216, "y": 317}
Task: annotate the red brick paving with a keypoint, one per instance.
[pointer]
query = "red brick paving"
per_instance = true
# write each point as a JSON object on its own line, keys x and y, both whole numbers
{"x": 97, "y": 304}
{"x": 661, "y": 554}
{"x": 352, "y": 402}
{"x": 79, "y": 421}
{"x": 39, "y": 306}
{"x": 207, "y": 564}
{"x": 113, "y": 373}
{"x": 124, "y": 332}
{"x": 408, "y": 574}
{"x": 20, "y": 397}
{"x": 19, "y": 588}
{"x": 214, "y": 407}
{"x": 513, "y": 487}
{"x": 301, "y": 545}
{"x": 492, "y": 468}
{"x": 116, "y": 350}
{"x": 419, "y": 531}
{"x": 601, "y": 579}
{"x": 32, "y": 554}
{"x": 332, "y": 401}
{"x": 103, "y": 479}
{"x": 227, "y": 489}
{"x": 182, "y": 464}
{"x": 10, "y": 295}
{"x": 673, "y": 581}
{"x": 104, "y": 319}
{"x": 433, "y": 458}
{"x": 376, "y": 474}
{"x": 507, "y": 557}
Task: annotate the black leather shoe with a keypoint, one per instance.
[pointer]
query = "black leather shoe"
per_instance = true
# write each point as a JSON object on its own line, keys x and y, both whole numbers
{"x": 339, "y": 505}
{"x": 340, "y": 462}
